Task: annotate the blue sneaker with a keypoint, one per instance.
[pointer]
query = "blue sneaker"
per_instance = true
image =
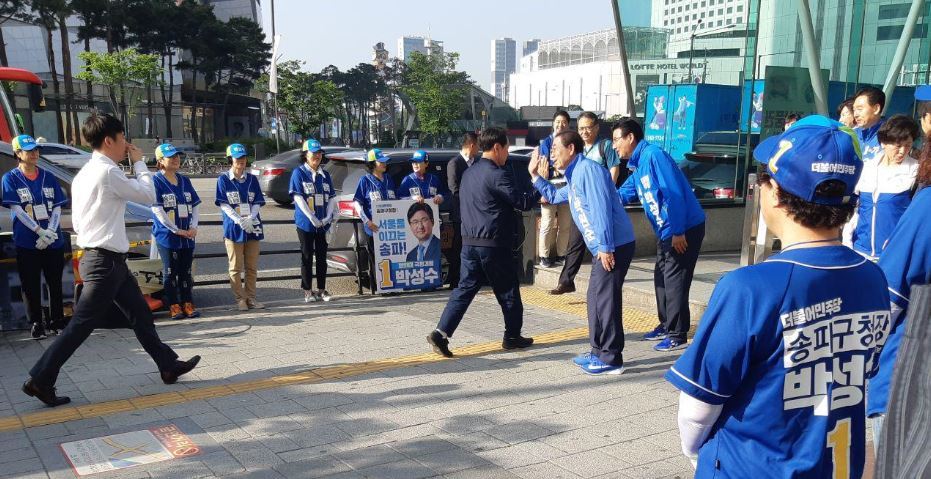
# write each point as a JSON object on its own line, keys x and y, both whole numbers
{"x": 583, "y": 359}
{"x": 669, "y": 344}
{"x": 658, "y": 334}
{"x": 595, "y": 367}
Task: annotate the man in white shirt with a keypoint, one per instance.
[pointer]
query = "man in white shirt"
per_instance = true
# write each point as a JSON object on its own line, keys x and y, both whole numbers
{"x": 110, "y": 293}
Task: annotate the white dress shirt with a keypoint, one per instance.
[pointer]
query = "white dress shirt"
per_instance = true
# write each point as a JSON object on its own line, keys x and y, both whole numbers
{"x": 98, "y": 204}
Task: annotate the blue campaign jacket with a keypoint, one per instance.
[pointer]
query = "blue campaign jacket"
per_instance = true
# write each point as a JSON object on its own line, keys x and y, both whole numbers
{"x": 370, "y": 189}
{"x": 429, "y": 186}
{"x": 596, "y": 208}
{"x": 869, "y": 140}
{"x": 488, "y": 197}
{"x": 906, "y": 261}
{"x": 885, "y": 193}
{"x": 666, "y": 195}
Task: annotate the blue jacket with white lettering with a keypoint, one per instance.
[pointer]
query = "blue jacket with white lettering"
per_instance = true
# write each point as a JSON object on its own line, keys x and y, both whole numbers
{"x": 666, "y": 195}
{"x": 596, "y": 208}
{"x": 488, "y": 197}
{"x": 869, "y": 139}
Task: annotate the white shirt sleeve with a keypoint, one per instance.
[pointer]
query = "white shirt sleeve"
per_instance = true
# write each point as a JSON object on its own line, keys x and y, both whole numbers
{"x": 331, "y": 208}
{"x": 302, "y": 205}
{"x": 55, "y": 220}
{"x": 695, "y": 421}
{"x": 254, "y": 211}
{"x": 163, "y": 219}
{"x": 230, "y": 212}
{"x": 140, "y": 189}
{"x": 360, "y": 211}
{"x": 25, "y": 218}
{"x": 195, "y": 216}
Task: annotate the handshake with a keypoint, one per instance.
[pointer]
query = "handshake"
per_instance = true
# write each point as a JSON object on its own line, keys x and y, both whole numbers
{"x": 46, "y": 238}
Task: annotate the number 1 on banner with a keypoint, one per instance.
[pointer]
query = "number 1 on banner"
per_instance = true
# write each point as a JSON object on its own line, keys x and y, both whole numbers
{"x": 839, "y": 442}
{"x": 385, "y": 267}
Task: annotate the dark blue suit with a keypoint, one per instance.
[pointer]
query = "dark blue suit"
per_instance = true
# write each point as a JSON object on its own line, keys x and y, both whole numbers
{"x": 489, "y": 195}
{"x": 432, "y": 252}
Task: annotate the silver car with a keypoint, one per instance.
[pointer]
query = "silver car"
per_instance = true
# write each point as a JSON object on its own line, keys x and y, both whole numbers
{"x": 274, "y": 173}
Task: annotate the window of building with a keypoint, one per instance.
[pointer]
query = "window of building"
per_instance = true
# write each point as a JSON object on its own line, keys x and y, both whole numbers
{"x": 740, "y": 8}
{"x": 730, "y": 9}
{"x": 894, "y": 32}
{"x": 894, "y": 11}
{"x": 720, "y": 11}
{"x": 720, "y": 22}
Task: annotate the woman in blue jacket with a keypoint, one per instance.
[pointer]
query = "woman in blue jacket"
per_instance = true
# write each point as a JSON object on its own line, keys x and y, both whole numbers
{"x": 177, "y": 210}
{"x": 314, "y": 206}
{"x": 35, "y": 198}
{"x": 374, "y": 186}
{"x": 885, "y": 188}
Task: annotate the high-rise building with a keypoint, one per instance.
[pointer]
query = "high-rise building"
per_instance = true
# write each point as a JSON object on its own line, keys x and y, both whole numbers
{"x": 530, "y": 46}
{"x": 686, "y": 17}
{"x": 226, "y": 9}
{"x": 503, "y": 63}
{"x": 425, "y": 45}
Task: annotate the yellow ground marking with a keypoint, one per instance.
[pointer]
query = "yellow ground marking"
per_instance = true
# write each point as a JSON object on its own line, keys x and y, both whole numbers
{"x": 634, "y": 321}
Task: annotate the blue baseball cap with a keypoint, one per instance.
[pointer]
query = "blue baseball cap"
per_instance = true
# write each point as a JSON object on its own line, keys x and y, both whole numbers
{"x": 376, "y": 155}
{"x": 236, "y": 150}
{"x": 312, "y": 146}
{"x": 813, "y": 150}
{"x": 923, "y": 93}
{"x": 420, "y": 156}
{"x": 165, "y": 150}
{"x": 24, "y": 142}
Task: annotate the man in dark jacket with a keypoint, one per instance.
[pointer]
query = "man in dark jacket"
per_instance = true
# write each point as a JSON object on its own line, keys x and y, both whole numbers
{"x": 454, "y": 171}
{"x": 488, "y": 196}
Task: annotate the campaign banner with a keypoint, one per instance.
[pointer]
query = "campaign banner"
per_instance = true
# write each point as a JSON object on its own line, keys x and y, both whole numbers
{"x": 407, "y": 245}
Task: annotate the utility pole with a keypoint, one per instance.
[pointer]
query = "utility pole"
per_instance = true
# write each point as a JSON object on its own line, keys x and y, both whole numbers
{"x": 625, "y": 68}
{"x": 274, "y": 71}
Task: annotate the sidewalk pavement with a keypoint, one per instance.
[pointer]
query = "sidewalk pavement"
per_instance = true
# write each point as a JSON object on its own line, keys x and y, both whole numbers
{"x": 350, "y": 389}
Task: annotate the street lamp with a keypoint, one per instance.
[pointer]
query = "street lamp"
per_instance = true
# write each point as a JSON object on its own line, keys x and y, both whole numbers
{"x": 692, "y": 47}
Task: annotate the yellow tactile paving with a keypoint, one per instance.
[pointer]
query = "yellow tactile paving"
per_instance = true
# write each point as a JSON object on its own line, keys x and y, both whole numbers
{"x": 634, "y": 321}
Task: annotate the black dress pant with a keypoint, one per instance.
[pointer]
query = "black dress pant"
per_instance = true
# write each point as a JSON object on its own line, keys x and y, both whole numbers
{"x": 110, "y": 296}
{"x": 32, "y": 264}
{"x": 574, "y": 256}
{"x": 605, "y": 327}
{"x": 672, "y": 279}
{"x": 483, "y": 265}
{"x": 313, "y": 248}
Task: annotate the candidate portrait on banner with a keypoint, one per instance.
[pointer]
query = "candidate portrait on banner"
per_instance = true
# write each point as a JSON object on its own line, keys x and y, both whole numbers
{"x": 407, "y": 245}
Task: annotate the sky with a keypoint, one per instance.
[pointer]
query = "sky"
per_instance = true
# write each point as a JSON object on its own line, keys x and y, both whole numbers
{"x": 343, "y": 32}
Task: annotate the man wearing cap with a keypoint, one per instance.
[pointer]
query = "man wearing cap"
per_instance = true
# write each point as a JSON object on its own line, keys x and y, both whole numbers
{"x": 314, "y": 198}
{"x": 377, "y": 185}
{"x": 110, "y": 293}
{"x": 678, "y": 221}
{"x": 177, "y": 214}
{"x": 421, "y": 185}
{"x": 489, "y": 198}
{"x": 240, "y": 198}
{"x": 35, "y": 199}
{"x": 773, "y": 384}
{"x": 868, "y": 104}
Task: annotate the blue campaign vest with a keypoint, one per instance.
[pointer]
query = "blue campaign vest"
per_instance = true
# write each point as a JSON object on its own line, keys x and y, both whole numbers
{"x": 786, "y": 347}
{"x": 316, "y": 191}
{"x": 234, "y": 193}
{"x": 44, "y": 191}
{"x": 428, "y": 187}
{"x": 175, "y": 200}
{"x": 371, "y": 189}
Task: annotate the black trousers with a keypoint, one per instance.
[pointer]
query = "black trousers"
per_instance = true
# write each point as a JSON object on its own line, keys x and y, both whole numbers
{"x": 110, "y": 296}
{"x": 672, "y": 279}
{"x": 32, "y": 264}
{"x": 486, "y": 266}
{"x": 452, "y": 256}
{"x": 371, "y": 260}
{"x": 575, "y": 254}
{"x": 313, "y": 247}
{"x": 605, "y": 325}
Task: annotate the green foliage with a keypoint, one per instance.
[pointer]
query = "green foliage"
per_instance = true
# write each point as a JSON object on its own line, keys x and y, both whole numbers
{"x": 307, "y": 99}
{"x": 436, "y": 89}
{"x": 117, "y": 70}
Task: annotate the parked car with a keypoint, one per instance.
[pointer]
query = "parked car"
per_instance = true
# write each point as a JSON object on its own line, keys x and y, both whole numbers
{"x": 64, "y": 155}
{"x": 716, "y": 167}
{"x": 520, "y": 150}
{"x": 137, "y": 216}
{"x": 348, "y": 167}
{"x": 275, "y": 173}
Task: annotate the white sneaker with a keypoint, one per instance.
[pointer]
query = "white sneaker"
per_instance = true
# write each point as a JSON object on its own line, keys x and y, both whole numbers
{"x": 309, "y": 296}
{"x": 324, "y": 295}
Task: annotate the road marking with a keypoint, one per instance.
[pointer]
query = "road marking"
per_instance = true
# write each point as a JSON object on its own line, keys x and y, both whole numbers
{"x": 635, "y": 321}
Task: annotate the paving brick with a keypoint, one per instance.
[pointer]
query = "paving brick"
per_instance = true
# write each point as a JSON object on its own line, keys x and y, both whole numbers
{"x": 313, "y": 468}
{"x": 452, "y": 460}
{"x": 370, "y": 456}
{"x": 406, "y": 469}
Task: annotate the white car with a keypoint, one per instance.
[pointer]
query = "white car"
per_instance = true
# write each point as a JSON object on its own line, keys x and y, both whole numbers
{"x": 64, "y": 155}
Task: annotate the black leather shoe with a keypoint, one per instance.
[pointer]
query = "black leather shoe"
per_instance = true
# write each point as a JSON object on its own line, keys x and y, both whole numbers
{"x": 38, "y": 331}
{"x": 562, "y": 289}
{"x": 46, "y": 395}
{"x": 516, "y": 343}
{"x": 181, "y": 368}
{"x": 440, "y": 344}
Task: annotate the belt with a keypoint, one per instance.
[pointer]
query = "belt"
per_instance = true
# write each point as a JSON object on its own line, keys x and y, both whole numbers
{"x": 106, "y": 252}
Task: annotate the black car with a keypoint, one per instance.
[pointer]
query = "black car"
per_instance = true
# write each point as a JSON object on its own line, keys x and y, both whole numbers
{"x": 274, "y": 173}
{"x": 716, "y": 167}
{"x": 348, "y": 167}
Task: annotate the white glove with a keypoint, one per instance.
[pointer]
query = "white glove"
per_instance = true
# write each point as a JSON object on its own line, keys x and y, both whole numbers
{"x": 48, "y": 236}
{"x": 317, "y": 223}
{"x": 246, "y": 224}
{"x": 41, "y": 243}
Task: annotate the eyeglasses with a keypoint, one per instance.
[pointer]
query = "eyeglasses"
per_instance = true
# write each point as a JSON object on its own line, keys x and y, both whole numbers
{"x": 422, "y": 223}
{"x": 587, "y": 128}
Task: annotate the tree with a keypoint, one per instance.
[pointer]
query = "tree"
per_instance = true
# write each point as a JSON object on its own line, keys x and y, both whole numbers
{"x": 116, "y": 71}
{"x": 308, "y": 100}
{"x": 436, "y": 89}
{"x": 47, "y": 12}
{"x": 242, "y": 58}
{"x": 202, "y": 41}
{"x": 9, "y": 9}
